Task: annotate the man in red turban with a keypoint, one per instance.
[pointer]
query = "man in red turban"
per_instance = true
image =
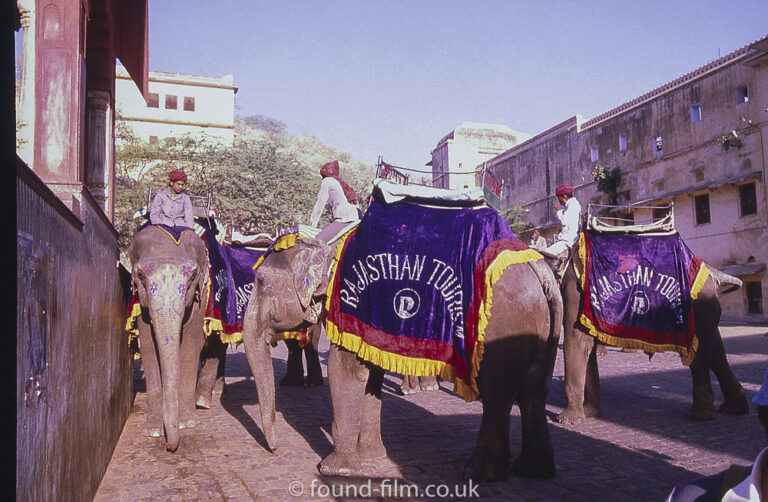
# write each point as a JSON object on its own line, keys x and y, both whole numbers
{"x": 569, "y": 215}
{"x": 338, "y": 194}
{"x": 172, "y": 206}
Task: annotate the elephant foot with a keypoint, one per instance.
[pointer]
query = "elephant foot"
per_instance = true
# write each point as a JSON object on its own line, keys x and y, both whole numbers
{"x": 628, "y": 350}
{"x": 203, "y": 402}
{"x": 292, "y": 381}
{"x": 371, "y": 451}
{"x": 600, "y": 350}
{"x": 313, "y": 381}
{"x": 534, "y": 467}
{"x": 571, "y": 417}
{"x": 341, "y": 464}
{"x": 409, "y": 391}
{"x": 431, "y": 386}
{"x": 592, "y": 411}
{"x": 700, "y": 415}
{"x": 189, "y": 423}
{"x": 737, "y": 407}
{"x": 483, "y": 468}
{"x": 153, "y": 427}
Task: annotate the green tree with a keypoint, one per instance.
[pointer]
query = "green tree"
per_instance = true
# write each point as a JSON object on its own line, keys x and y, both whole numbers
{"x": 516, "y": 217}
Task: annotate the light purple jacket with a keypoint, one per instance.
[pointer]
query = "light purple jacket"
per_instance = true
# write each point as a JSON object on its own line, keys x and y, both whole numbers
{"x": 171, "y": 210}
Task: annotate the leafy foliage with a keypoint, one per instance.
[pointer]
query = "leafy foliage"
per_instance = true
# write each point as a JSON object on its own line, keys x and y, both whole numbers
{"x": 608, "y": 181}
{"x": 516, "y": 217}
{"x": 263, "y": 181}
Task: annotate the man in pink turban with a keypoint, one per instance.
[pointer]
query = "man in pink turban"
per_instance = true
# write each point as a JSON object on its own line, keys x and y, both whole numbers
{"x": 569, "y": 215}
{"x": 339, "y": 195}
{"x": 172, "y": 206}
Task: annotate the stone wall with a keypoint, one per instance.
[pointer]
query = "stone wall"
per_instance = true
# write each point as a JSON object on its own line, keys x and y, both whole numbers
{"x": 73, "y": 373}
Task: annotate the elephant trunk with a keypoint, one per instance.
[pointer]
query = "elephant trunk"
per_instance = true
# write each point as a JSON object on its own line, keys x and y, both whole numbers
{"x": 264, "y": 376}
{"x": 167, "y": 333}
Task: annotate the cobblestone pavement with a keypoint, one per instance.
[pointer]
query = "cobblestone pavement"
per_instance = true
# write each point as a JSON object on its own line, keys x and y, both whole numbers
{"x": 637, "y": 450}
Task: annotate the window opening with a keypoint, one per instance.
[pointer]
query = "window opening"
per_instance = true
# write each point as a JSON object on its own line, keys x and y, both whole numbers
{"x": 189, "y": 104}
{"x": 695, "y": 113}
{"x": 171, "y": 102}
{"x": 702, "y": 209}
{"x": 153, "y": 101}
{"x": 748, "y": 199}
{"x": 742, "y": 94}
{"x": 622, "y": 142}
{"x": 754, "y": 297}
{"x": 593, "y": 153}
{"x": 657, "y": 144}
{"x": 152, "y": 140}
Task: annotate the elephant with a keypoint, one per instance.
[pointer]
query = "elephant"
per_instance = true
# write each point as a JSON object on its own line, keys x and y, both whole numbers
{"x": 582, "y": 381}
{"x": 521, "y": 342}
{"x": 212, "y": 363}
{"x": 413, "y": 384}
{"x": 170, "y": 280}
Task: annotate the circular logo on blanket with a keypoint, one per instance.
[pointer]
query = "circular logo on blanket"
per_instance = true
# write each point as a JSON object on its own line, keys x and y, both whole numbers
{"x": 640, "y": 303}
{"x": 406, "y": 303}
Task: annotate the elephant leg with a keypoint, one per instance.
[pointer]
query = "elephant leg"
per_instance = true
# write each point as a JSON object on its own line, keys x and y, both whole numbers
{"x": 703, "y": 407}
{"x": 370, "y": 446}
{"x": 592, "y": 387}
{"x": 192, "y": 341}
{"x": 347, "y": 380}
{"x": 295, "y": 374}
{"x": 577, "y": 347}
{"x": 490, "y": 460}
{"x": 311, "y": 354}
{"x": 154, "y": 422}
{"x": 410, "y": 385}
{"x": 736, "y": 402}
{"x": 429, "y": 383}
{"x": 537, "y": 458}
{"x": 212, "y": 362}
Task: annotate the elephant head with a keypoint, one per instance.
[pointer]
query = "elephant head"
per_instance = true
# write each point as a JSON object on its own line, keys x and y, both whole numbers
{"x": 285, "y": 285}
{"x": 170, "y": 281}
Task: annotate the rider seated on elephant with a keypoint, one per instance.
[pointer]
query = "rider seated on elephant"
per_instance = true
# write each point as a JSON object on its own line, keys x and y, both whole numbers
{"x": 568, "y": 214}
{"x": 340, "y": 196}
{"x": 172, "y": 206}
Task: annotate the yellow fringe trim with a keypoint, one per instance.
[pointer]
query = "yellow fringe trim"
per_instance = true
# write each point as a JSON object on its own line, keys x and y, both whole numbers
{"x": 698, "y": 283}
{"x": 284, "y": 242}
{"x": 427, "y": 367}
{"x": 686, "y": 356}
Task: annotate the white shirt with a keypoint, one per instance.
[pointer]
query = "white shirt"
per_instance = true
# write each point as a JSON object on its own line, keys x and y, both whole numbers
{"x": 749, "y": 489}
{"x": 569, "y": 218}
{"x": 332, "y": 193}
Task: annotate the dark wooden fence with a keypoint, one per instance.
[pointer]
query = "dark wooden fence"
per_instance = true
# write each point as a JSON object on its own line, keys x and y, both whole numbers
{"x": 74, "y": 373}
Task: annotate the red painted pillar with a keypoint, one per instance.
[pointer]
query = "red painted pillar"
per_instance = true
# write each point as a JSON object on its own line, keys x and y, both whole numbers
{"x": 59, "y": 94}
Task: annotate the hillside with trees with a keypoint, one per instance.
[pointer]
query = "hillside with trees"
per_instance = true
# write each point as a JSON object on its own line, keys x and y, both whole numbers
{"x": 265, "y": 180}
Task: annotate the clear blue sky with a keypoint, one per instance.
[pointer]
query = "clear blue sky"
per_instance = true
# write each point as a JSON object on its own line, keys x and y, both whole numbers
{"x": 393, "y": 77}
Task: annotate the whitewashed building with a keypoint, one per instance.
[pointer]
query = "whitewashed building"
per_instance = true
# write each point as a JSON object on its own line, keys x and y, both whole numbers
{"x": 177, "y": 104}
{"x": 458, "y": 153}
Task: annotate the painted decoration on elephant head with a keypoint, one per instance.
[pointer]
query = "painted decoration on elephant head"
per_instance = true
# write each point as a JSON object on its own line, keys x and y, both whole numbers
{"x": 410, "y": 282}
{"x": 639, "y": 291}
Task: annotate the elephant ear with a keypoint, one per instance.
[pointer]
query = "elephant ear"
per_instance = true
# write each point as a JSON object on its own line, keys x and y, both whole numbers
{"x": 308, "y": 267}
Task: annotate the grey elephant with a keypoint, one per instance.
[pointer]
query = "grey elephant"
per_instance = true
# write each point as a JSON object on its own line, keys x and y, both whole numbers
{"x": 170, "y": 279}
{"x": 413, "y": 384}
{"x": 520, "y": 348}
{"x": 582, "y": 382}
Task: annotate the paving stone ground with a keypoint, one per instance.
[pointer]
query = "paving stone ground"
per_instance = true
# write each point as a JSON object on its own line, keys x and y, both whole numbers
{"x": 638, "y": 450}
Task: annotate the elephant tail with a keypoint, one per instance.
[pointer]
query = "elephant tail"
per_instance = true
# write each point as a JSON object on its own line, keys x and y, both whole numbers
{"x": 554, "y": 298}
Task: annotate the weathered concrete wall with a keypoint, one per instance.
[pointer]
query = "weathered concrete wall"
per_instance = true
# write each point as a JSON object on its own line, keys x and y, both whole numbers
{"x": 692, "y": 161}
{"x": 73, "y": 374}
